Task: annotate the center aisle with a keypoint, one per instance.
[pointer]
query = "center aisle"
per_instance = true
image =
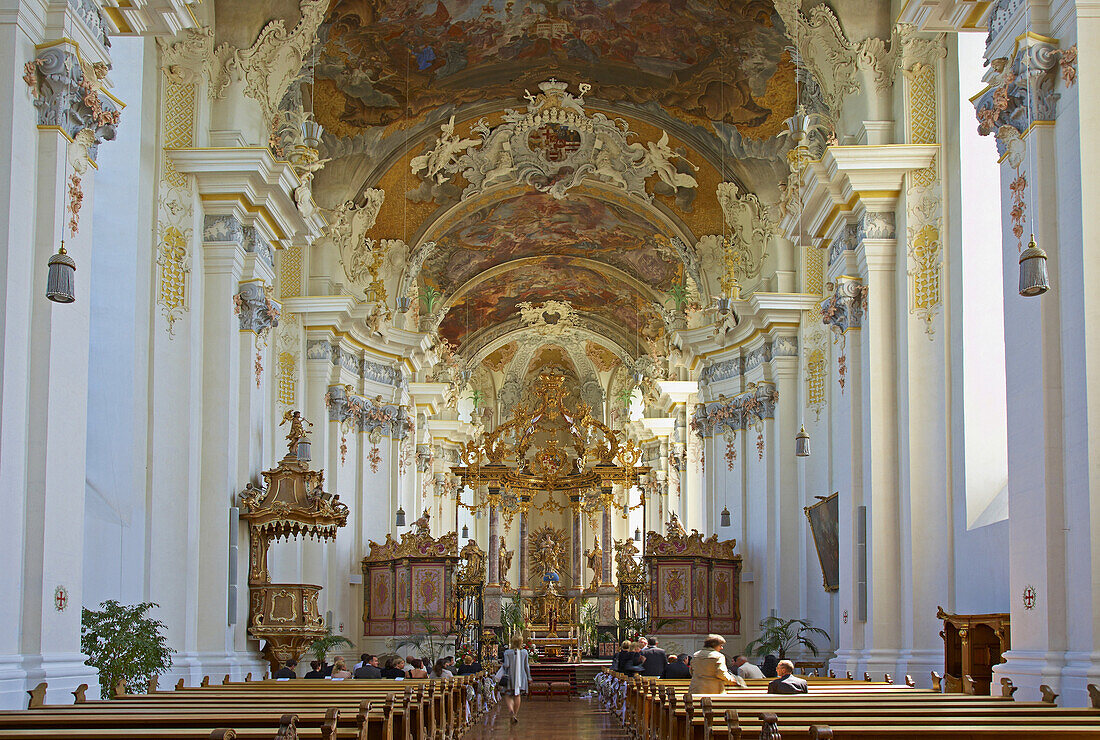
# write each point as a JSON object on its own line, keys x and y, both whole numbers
{"x": 550, "y": 720}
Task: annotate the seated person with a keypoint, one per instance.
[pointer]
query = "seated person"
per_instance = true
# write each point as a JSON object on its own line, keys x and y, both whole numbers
{"x": 315, "y": 669}
{"x": 362, "y": 659}
{"x": 408, "y": 665}
{"x": 676, "y": 668}
{"x": 654, "y": 659}
{"x": 395, "y": 668}
{"x": 369, "y": 669}
{"x": 708, "y": 669}
{"x": 787, "y": 683}
{"x": 469, "y": 665}
{"x": 439, "y": 670}
{"x": 340, "y": 669}
{"x": 745, "y": 669}
{"x": 768, "y": 667}
{"x": 416, "y": 668}
{"x": 629, "y": 660}
{"x": 287, "y": 671}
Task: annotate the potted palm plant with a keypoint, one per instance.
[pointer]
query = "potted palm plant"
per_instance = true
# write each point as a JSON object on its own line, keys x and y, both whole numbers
{"x": 777, "y": 636}
{"x": 324, "y": 645}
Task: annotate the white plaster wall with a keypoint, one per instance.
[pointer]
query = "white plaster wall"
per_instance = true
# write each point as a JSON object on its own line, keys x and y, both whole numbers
{"x": 115, "y": 525}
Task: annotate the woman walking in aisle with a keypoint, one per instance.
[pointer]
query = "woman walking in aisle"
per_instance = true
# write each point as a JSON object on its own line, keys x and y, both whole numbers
{"x": 514, "y": 675}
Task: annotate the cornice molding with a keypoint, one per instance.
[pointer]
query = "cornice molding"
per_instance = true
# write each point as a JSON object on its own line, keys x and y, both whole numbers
{"x": 252, "y": 184}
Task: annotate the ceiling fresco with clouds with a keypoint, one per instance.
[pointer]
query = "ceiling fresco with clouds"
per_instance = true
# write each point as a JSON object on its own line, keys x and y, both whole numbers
{"x": 537, "y": 224}
{"x": 589, "y": 289}
{"x": 716, "y": 60}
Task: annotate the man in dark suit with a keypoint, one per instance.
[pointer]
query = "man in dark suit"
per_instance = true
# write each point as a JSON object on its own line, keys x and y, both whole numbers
{"x": 654, "y": 660}
{"x": 287, "y": 671}
{"x": 369, "y": 669}
{"x": 676, "y": 668}
{"x": 315, "y": 670}
{"x": 787, "y": 683}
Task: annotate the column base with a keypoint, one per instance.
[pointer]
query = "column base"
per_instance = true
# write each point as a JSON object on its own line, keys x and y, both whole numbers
{"x": 1081, "y": 670}
{"x": 1029, "y": 669}
{"x": 919, "y": 664}
{"x": 62, "y": 672}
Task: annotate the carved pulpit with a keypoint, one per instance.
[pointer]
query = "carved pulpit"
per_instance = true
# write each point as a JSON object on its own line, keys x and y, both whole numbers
{"x": 292, "y": 503}
{"x": 693, "y": 582}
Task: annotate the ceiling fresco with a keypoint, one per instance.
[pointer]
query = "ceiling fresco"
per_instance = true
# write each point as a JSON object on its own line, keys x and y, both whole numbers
{"x": 588, "y": 289}
{"x": 719, "y": 60}
{"x": 537, "y": 224}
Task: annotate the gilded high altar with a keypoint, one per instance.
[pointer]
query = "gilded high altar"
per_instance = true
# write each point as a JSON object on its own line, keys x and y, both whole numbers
{"x": 292, "y": 503}
{"x": 553, "y": 451}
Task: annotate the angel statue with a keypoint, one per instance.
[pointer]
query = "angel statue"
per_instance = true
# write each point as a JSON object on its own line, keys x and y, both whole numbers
{"x": 594, "y": 557}
{"x": 297, "y": 428}
{"x": 505, "y": 561}
{"x": 660, "y": 156}
{"x": 433, "y": 165}
{"x": 421, "y": 524}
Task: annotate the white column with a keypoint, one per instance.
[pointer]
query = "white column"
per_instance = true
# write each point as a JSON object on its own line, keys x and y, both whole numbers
{"x": 44, "y": 362}
{"x": 223, "y": 257}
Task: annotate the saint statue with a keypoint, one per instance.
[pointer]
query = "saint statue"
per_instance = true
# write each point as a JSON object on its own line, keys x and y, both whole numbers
{"x": 505, "y": 562}
{"x": 421, "y": 524}
{"x": 474, "y": 572}
{"x": 594, "y": 557}
{"x": 548, "y": 554}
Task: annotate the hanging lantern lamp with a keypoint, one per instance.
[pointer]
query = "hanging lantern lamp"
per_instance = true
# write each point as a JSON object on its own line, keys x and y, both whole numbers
{"x": 465, "y": 532}
{"x": 637, "y": 534}
{"x": 400, "y": 517}
{"x": 802, "y": 443}
{"x": 61, "y": 279}
{"x": 1033, "y": 270}
{"x": 725, "y": 521}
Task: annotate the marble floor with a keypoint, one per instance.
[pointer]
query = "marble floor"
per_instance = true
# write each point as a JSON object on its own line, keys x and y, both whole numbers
{"x": 549, "y": 720}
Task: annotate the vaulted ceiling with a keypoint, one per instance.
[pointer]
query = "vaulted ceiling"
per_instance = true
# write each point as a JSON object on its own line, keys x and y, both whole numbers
{"x": 713, "y": 76}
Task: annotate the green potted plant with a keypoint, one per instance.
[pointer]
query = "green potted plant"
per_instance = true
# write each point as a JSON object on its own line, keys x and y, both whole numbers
{"x": 124, "y": 643}
{"x": 511, "y": 617}
{"x": 590, "y": 615}
{"x": 324, "y": 645}
{"x": 777, "y": 636}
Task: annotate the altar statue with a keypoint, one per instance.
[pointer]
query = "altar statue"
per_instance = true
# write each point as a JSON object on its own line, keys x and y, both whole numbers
{"x": 504, "y": 560}
{"x": 594, "y": 557}
{"x": 548, "y": 554}
{"x": 421, "y": 524}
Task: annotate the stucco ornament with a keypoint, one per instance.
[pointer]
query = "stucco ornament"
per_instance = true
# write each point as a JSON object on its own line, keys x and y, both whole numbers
{"x": 349, "y": 224}
{"x": 552, "y": 318}
{"x": 275, "y": 59}
{"x": 68, "y": 94}
{"x": 824, "y": 49}
{"x": 552, "y": 146}
{"x": 751, "y": 226}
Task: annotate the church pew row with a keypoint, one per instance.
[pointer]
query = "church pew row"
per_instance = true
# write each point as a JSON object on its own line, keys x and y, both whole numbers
{"x": 654, "y": 709}
{"x": 366, "y": 709}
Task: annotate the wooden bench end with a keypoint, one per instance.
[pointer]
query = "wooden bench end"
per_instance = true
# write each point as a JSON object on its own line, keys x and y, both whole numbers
{"x": 1007, "y": 689}
{"x": 288, "y": 727}
{"x": 80, "y": 694}
{"x": 1094, "y": 695}
{"x": 820, "y": 732}
{"x": 179, "y": 684}
{"x": 37, "y": 696}
{"x": 119, "y": 689}
{"x": 909, "y": 681}
{"x": 223, "y": 733}
{"x": 1049, "y": 697}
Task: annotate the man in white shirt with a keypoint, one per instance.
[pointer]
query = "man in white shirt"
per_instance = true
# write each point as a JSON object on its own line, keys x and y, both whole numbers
{"x": 745, "y": 669}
